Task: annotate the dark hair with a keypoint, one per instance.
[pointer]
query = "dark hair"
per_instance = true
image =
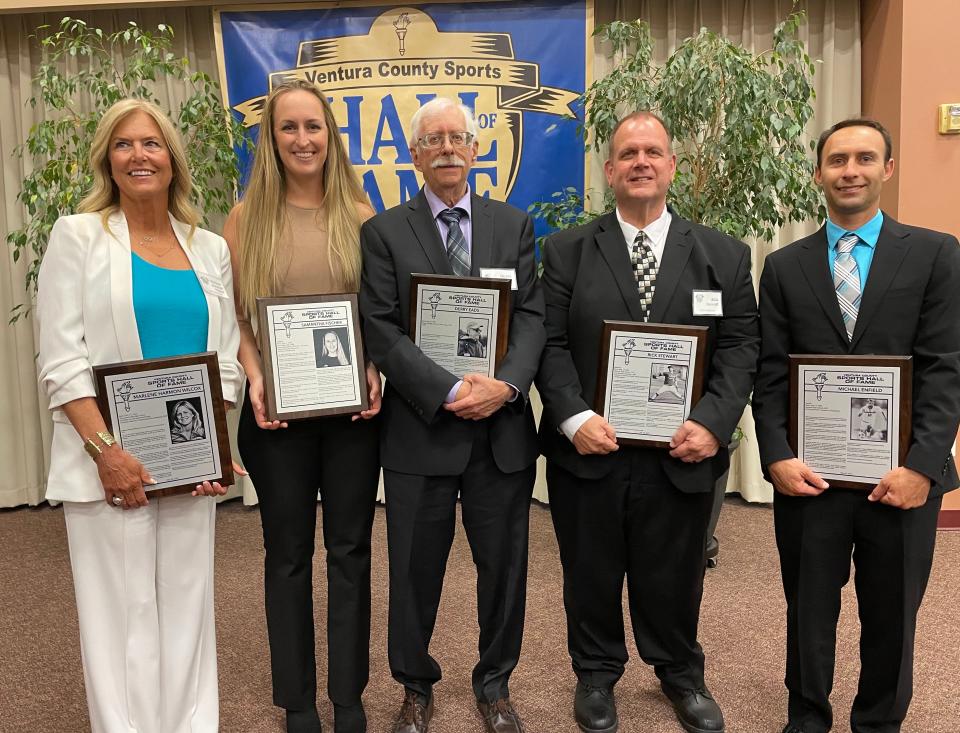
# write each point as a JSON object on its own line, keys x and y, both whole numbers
{"x": 856, "y": 122}
{"x": 640, "y": 115}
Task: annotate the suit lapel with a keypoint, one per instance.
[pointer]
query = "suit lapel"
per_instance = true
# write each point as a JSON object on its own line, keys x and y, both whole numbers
{"x": 813, "y": 263}
{"x": 676, "y": 252}
{"x": 891, "y": 249}
{"x": 614, "y": 250}
{"x": 481, "y": 241}
{"x": 121, "y": 289}
{"x": 426, "y": 232}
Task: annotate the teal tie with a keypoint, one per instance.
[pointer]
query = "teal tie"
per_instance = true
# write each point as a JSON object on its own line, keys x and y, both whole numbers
{"x": 846, "y": 279}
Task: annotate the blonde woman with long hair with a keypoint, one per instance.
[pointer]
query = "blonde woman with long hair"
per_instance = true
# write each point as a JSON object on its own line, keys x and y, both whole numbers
{"x": 296, "y": 232}
{"x": 133, "y": 277}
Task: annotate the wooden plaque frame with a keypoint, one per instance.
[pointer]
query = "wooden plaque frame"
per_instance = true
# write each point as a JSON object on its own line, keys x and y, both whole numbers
{"x": 266, "y": 355}
{"x": 650, "y": 329}
{"x": 904, "y": 363}
{"x": 207, "y": 359}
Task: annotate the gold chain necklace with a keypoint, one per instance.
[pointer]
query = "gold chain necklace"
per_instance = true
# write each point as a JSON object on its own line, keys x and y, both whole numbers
{"x": 146, "y": 240}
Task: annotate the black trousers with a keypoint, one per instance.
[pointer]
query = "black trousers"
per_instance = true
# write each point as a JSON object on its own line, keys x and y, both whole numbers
{"x": 892, "y": 552}
{"x": 339, "y": 458}
{"x": 633, "y": 523}
{"x": 421, "y": 519}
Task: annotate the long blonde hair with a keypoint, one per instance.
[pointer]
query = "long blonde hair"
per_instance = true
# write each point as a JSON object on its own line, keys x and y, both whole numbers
{"x": 263, "y": 216}
{"x": 104, "y": 196}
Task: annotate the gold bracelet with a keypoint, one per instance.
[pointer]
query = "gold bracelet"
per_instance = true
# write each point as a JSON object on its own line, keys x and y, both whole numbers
{"x": 94, "y": 450}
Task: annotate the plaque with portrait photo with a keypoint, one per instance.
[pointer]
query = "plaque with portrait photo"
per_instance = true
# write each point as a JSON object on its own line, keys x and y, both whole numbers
{"x": 850, "y": 415}
{"x": 170, "y": 415}
{"x": 649, "y": 378}
{"x": 461, "y": 323}
{"x": 312, "y": 356}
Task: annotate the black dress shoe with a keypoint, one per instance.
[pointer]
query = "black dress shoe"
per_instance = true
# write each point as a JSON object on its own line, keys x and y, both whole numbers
{"x": 303, "y": 721}
{"x": 595, "y": 709}
{"x": 792, "y": 729}
{"x": 695, "y": 708}
{"x": 349, "y": 719}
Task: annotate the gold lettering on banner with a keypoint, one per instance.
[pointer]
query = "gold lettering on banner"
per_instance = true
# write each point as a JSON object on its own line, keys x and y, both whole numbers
{"x": 378, "y": 80}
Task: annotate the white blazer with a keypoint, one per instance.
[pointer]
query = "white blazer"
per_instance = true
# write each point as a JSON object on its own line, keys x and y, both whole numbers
{"x": 85, "y": 316}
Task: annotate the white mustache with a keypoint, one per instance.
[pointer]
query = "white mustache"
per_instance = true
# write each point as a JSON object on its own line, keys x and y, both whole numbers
{"x": 447, "y": 160}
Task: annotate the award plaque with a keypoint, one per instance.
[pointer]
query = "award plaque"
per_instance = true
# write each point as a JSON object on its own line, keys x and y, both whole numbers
{"x": 461, "y": 323}
{"x": 169, "y": 414}
{"x": 649, "y": 378}
{"x": 312, "y": 356}
{"x": 850, "y": 415}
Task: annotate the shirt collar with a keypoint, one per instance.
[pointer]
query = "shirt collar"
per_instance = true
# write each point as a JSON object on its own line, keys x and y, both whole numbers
{"x": 656, "y": 230}
{"x": 869, "y": 233}
{"x": 436, "y": 205}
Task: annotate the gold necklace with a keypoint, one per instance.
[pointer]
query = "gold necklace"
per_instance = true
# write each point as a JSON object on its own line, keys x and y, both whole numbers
{"x": 146, "y": 240}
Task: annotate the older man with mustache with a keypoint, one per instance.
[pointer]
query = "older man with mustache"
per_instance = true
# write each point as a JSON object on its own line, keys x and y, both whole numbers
{"x": 442, "y": 436}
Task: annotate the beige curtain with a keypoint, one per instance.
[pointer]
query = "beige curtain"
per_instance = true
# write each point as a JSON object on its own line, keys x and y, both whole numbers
{"x": 832, "y": 34}
{"x": 24, "y": 422}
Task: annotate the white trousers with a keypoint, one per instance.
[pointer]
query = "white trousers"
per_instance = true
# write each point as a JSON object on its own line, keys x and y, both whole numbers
{"x": 144, "y": 586}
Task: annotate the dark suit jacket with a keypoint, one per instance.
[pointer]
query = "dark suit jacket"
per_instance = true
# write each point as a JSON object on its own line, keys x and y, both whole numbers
{"x": 587, "y": 278}
{"x": 910, "y": 306}
{"x": 417, "y": 435}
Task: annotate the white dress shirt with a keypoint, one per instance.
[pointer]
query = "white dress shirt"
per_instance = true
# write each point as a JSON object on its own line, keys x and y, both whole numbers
{"x": 656, "y": 232}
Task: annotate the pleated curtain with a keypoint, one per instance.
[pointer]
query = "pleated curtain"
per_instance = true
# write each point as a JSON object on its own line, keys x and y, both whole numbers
{"x": 832, "y": 35}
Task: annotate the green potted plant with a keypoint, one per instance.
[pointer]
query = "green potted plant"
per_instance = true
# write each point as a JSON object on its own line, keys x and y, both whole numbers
{"x": 130, "y": 62}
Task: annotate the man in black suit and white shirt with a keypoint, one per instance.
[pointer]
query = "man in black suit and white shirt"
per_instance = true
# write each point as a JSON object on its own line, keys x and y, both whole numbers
{"x": 639, "y": 512}
{"x": 899, "y": 297}
{"x": 441, "y": 436}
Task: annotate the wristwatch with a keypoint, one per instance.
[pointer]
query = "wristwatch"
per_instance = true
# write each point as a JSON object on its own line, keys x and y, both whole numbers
{"x": 93, "y": 449}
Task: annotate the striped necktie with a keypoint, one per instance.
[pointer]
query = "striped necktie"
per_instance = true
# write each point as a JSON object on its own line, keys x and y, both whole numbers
{"x": 645, "y": 271}
{"x": 456, "y": 244}
{"x": 846, "y": 279}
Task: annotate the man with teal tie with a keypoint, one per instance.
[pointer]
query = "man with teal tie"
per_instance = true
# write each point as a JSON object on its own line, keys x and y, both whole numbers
{"x": 862, "y": 284}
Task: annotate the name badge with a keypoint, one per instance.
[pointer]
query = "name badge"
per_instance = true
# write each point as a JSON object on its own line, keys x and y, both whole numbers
{"x": 211, "y": 284}
{"x": 707, "y": 303}
{"x": 505, "y": 273}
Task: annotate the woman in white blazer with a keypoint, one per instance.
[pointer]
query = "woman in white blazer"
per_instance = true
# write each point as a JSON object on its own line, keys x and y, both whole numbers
{"x": 130, "y": 278}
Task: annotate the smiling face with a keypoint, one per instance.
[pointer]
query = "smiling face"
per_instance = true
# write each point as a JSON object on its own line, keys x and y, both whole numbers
{"x": 184, "y": 415}
{"x": 641, "y": 166}
{"x": 330, "y": 343}
{"x": 851, "y": 173}
{"x": 445, "y": 167}
{"x": 300, "y": 133}
{"x": 139, "y": 158}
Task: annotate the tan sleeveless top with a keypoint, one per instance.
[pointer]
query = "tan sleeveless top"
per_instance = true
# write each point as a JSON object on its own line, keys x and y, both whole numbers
{"x": 303, "y": 254}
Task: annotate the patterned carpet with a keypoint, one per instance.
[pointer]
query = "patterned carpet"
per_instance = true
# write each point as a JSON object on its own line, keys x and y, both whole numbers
{"x": 742, "y": 631}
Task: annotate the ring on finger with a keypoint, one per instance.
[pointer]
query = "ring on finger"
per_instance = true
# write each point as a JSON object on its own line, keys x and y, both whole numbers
{"x": 117, "y": 500}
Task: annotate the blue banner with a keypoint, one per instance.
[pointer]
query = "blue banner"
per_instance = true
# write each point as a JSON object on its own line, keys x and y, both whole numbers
{"x": 520, "y": 66}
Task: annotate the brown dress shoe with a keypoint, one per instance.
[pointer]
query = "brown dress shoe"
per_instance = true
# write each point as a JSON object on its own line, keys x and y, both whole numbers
{"x": 500, "y": 717}
{"x": 415, "y": 713}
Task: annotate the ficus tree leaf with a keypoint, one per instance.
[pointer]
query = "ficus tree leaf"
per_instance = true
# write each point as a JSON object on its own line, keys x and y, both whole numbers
{"x": 133, "y": 62}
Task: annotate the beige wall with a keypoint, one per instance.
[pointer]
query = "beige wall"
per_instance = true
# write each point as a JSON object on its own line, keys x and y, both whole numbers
{"x": 910, "y": 67}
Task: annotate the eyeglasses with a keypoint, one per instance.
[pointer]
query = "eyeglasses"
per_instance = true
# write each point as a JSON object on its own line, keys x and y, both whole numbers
{"x": 434, "y": 140}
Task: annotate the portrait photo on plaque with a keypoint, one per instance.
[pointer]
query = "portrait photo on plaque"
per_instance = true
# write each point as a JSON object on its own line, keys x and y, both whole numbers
{"x": 650, "y": 377}
{"x": 169, "y": 414}
{"x": 461, "y": 323}
{"x": 850, "y": 415}
{"x": 312, "y": 356}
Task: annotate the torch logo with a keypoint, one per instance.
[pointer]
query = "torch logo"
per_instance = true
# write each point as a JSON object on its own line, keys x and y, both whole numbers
{"x": 401, "y": 24}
